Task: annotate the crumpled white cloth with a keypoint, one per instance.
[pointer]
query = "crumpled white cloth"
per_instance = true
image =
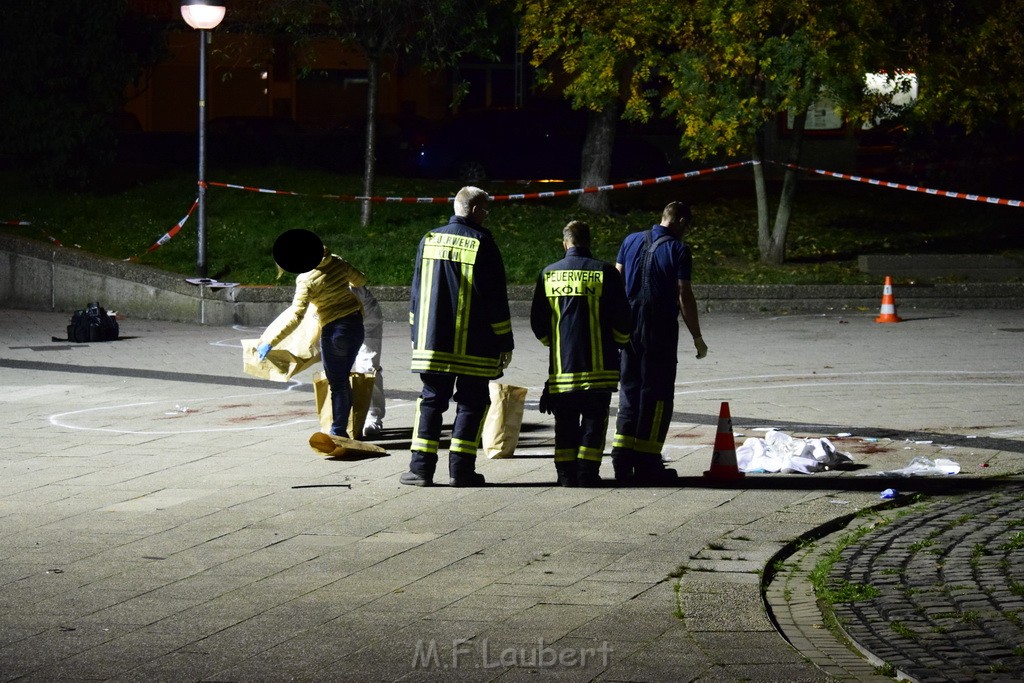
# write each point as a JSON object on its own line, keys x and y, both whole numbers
{"x": 779, "y": 452}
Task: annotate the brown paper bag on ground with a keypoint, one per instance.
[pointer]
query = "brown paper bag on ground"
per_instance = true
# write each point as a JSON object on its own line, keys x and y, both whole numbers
{"x": 362, "y": 390}
{"x": 504, "y": 420}
{"x": 339, "y": 447}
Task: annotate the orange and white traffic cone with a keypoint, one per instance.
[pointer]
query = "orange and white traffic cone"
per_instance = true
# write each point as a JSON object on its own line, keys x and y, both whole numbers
{"x": 888, "y": 311}
{"x": 723, "y": 459}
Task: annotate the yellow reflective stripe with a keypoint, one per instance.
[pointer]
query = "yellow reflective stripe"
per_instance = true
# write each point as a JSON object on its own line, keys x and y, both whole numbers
{"x": 483, "y": 420}
{"x": 659, "y": 414}
{"x": 426, "y": 297}
{"x": 589, "y": 453}
{"x": 424, "y": 445}
{"x": 418, "y": 443}
{"x": 447, "y": 247}
{"x": 556, "y": 320}
{"x": 621, "y": 338}
{"x": 503, "y": 327}
{"x": 462, "y": 309}
{"x": 596, "y": 353}
{"x": 463, "y": 446}
{"x": 638, "y": 445}
{"x": 571, "y": 381}
{"x": 429, "y": 360}
{"x": 565, "y": 454}
{"x": 447, "y": 358}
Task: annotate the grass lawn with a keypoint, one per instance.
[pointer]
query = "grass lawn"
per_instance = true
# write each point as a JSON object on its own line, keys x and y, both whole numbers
{"x": 833, "y": 222}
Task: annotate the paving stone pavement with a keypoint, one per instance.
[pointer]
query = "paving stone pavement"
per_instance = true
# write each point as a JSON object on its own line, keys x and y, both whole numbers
{"x": 162, "y": 517}
{"x": 950, "y": 583}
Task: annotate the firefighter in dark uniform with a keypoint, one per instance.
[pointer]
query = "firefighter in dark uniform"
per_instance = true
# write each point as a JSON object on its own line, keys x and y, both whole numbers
{"x": 580, "y": 312}
{"x": 656, "y": 265}
{"x": 461, "y": 338}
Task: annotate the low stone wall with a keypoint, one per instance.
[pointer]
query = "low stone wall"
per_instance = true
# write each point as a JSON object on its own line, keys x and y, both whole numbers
{"x": 963, "y": 267}
{"x": 39, "y": 276}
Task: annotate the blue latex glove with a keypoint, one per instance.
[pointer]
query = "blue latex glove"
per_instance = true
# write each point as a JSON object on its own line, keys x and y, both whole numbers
{"x": 262, "y": 350}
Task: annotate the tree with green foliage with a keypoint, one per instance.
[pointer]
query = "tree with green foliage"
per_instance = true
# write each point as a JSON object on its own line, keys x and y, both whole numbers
{"x": 726, "y": 70}
{"x": 742, "y": 64}
{"x": 606, "y": 56}
{"x": 434, "y": 33}
{"x": 968, "y": 56}
{"x": 64, "y": 69}
{"x": 735, "y": 67}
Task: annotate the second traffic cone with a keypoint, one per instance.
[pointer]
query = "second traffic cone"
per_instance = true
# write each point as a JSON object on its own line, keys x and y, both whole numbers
{"x": 887, "y": 314}
{"x": 723, "y": 459}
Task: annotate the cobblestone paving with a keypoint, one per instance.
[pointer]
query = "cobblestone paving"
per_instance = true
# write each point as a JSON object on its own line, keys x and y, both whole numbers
{"x": 951, "y": 582}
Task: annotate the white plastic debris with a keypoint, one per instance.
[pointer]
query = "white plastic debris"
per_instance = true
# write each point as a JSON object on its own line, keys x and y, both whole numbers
{"x": 920, "y": 467}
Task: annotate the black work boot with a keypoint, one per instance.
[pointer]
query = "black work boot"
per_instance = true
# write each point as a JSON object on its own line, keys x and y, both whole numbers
{"x": 651, "y": 471}
{"x": 464, "y": 479}
{"x": 421, "y": 470}
{"x": 588, "y": 473}
{"x": 462, "y": 470}
{"x": 623, "y": 462}
{"x": 567, "y": 472}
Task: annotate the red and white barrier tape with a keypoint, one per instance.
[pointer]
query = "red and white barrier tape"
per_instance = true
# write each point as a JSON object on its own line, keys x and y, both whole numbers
{"x": 566, "y": 193}
{"x": 169, "y": 235}
{"x": 905, "y": 186}
{"x": 24, "y": 224}
{"x": 623, "y": 186}
{"x": 501, "y": 197}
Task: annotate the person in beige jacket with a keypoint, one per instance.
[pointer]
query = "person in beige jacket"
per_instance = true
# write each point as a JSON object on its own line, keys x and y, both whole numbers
{"x": 322, "y": 289}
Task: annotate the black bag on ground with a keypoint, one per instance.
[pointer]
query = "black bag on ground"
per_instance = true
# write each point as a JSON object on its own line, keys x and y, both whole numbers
{"x": 93, "y": 324}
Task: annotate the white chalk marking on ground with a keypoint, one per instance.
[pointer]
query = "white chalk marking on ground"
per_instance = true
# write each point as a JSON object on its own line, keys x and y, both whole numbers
{"x": 58, "y": 419}
{"x": 1008, "y": 433}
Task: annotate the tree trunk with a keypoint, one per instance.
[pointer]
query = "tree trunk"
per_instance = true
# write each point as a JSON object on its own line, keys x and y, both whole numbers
{"x": 370, "y": 169}
{"x": 761, "y": 194}
{"x": 773, "y": 245}
{"x": 596, "y": 158}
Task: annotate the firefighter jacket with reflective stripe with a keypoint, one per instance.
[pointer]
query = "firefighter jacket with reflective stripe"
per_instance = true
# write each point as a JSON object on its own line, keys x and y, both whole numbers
{"x": 458, "y": 307}
{"x": 580, "y": 312}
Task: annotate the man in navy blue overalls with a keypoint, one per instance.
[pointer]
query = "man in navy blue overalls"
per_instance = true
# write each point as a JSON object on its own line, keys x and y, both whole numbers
{"x": 656, "y": 265}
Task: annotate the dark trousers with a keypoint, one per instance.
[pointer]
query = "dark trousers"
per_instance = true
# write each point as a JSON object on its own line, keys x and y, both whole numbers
{"x": 339, "y": 344}
{"x": 472, "y": 400}
{"x": 581, "y": 422}
{"x": 646, "y": 393}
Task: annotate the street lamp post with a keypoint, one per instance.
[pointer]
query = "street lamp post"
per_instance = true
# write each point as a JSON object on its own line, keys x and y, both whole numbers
{"x": 202, "y": 15}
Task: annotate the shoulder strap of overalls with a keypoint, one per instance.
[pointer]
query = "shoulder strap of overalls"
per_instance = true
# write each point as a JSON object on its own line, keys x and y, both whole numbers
{"x": 645, "y": 262}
